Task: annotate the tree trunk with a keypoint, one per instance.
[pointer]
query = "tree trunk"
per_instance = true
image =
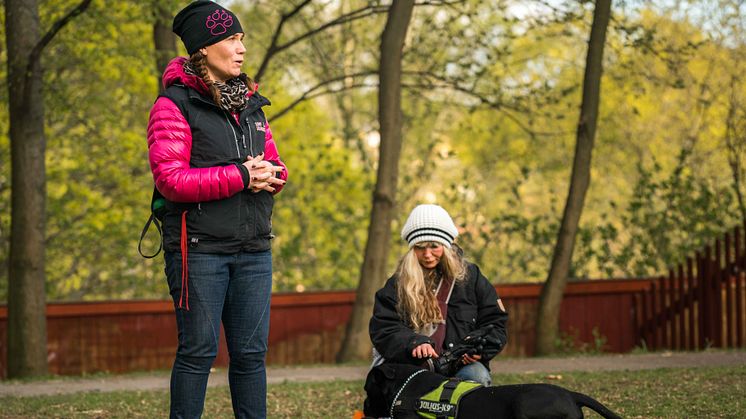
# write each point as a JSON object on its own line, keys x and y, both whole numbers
{"x": 356, "y": 344}
{"x": 735, "y": 143}
{"x": 27, "y": 321}
{"x": 164, "y": 39}
{"x": 547, "y": 321}
{"x": 27, "y": 327}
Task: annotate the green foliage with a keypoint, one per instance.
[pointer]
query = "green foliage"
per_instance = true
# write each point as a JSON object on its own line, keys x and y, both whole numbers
{"x": 512, "y": 171}
{"x": 321, "y": 213}
{"x": 98, "y": 90}
{"x": 673, "y": 216}
{"x": 490, "y": 101}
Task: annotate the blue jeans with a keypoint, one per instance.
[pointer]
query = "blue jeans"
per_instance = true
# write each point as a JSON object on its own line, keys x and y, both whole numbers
{"x": 235, "y": 288}
{"x": 476, "y": 371}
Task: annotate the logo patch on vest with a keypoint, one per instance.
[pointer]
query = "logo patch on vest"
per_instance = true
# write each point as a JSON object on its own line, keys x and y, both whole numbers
{"x": 435, "y": 407}
{"x": 500, "y": 304}
{"x": 259, "y": 126}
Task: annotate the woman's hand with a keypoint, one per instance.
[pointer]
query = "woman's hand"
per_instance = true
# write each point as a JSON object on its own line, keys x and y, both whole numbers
{"x": 424, "y": 351}
{"x": 262, "y": 174}
{"x": 467, "y": 359}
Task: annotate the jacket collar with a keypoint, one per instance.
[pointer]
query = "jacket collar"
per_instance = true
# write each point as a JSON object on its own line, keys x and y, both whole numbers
{"x": 174, "y": 74}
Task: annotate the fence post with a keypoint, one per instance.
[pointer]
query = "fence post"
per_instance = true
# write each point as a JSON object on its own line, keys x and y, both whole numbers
{"x": 637, "y": 320}
{"x": 705, "y": 289}
{"x": 647, "y": 304}
{"x": 670, "y": 329}
{"x": 740, "y": 274}
{"x": 728, "y": 282}
{"x": 717, "y": 311}
{"x": 693, "y": 295}
{"x": 681, "y": 342}
{"x": 658, "y": 312}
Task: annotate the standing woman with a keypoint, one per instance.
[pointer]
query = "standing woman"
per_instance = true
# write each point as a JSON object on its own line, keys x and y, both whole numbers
{"x": 214, "y": 160}
{"x": 435, "y": 299}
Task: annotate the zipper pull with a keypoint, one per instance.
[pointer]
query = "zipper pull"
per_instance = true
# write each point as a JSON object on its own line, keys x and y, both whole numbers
{"x": 243, "y": 139}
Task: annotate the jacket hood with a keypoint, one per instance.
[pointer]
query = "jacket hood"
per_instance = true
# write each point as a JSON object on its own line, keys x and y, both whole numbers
{"x": 174, "y": 74}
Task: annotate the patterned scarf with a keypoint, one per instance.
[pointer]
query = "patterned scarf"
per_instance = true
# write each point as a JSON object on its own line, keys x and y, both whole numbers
{"x": 233, "y": 93}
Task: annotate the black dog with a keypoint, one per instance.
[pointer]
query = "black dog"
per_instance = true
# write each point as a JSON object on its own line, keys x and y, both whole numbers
{"x": 407, "y": 383}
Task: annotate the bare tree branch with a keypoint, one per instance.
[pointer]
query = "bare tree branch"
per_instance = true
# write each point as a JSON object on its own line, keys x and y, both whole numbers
{"x": 370, "y": 10}
{"x": 312, "y": 92}
{"x": 428, "y": 81}
{"x": 276, "y": 48}
{"x": 272, "y": 50}
{"x": 318, "y": 94}
{"x": 446, "y": 84}
{"x": 56, "y": 27}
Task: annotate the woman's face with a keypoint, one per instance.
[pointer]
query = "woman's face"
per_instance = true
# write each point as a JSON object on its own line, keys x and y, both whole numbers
{"x": 428, "y": 254}
{"x": 224, "y": 58}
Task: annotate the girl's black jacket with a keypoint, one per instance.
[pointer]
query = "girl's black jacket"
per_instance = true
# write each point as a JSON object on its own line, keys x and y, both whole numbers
{"x": 473, "y": 305}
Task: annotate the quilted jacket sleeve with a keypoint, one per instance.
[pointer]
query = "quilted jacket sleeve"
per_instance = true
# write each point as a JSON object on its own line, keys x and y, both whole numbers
{"x": 393, "y": 339}
{"x": 490, "y": 311}
{"x": 169, "y": 148}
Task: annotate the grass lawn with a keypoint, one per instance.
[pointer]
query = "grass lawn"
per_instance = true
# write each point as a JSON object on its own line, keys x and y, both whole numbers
{"x": 714, "y": 392}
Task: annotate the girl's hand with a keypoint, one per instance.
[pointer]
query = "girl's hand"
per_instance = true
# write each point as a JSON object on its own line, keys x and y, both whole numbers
{"x": 467, "y": 359}
{"x": 424, "y": 351}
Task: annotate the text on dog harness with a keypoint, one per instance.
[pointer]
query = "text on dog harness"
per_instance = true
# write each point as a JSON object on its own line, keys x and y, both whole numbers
{"x": 442, "y": 402}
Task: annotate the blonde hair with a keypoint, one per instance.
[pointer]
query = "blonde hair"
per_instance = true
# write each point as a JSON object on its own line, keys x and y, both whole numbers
{"x": 417, "y": 303}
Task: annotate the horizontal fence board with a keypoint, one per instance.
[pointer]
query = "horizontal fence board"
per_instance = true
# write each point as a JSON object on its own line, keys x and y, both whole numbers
{"x": 305, "y": 328}
{"x": 701, "y": 302}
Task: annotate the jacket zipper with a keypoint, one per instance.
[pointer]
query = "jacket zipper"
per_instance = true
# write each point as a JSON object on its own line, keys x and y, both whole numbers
{"x": 235, "y": 137}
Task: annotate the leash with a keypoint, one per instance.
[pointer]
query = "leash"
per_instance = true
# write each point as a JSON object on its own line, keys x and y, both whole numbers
{"x": 398, "y": 393}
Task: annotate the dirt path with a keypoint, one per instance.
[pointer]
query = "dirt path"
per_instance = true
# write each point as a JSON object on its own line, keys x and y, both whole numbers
{"x": 160, "y": 380}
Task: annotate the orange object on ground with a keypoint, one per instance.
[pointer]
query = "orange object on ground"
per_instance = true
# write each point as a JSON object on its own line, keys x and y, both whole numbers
{"x": 358, "y": 414}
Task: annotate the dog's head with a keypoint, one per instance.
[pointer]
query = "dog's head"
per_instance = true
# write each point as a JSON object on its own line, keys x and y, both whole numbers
{"x": 385, "y": 381}
{"x": 378, "y": 387}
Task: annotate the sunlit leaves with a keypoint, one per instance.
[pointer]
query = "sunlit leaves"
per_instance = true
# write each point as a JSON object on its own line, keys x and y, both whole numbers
{"x": 490, "y": 104}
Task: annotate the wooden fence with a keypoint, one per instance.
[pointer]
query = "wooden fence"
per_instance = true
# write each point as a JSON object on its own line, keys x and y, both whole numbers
{"x": 305, "y": 328}
{"x": 700, "y": 303}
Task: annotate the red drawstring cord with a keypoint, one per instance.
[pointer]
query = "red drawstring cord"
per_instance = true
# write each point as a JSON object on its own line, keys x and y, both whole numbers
{"x": 184, "y": 298}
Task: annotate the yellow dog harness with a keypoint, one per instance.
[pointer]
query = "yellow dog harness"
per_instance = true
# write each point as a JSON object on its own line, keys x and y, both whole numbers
{"x": 442, "y": 402}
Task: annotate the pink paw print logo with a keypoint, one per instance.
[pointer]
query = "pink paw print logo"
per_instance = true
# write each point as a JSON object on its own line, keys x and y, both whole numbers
{"x": 219, "y": 22}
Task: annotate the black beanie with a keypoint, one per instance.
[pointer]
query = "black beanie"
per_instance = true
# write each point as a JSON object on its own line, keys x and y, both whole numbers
{"x": 203, "y": 23}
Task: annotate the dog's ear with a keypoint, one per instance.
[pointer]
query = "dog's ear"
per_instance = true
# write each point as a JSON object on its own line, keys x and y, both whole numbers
{"x": 388, "y": 371}
{"x": 375, "y": 404}
{"x": 373, "y": 378}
